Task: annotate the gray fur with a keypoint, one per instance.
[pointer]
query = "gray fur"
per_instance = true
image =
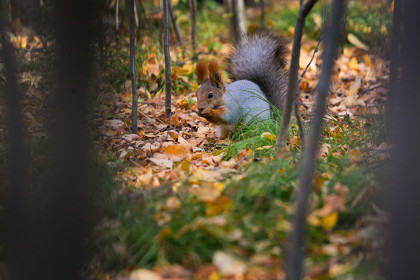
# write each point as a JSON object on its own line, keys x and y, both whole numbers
{"x": 261, "y": 59}
{"x": 245, "y": 102}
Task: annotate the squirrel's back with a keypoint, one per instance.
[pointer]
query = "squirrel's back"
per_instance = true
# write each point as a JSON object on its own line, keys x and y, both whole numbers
{"x": 260, "y": 58}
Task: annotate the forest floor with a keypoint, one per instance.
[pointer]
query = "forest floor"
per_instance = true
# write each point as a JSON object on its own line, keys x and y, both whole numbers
{"x": 183, "y": 204}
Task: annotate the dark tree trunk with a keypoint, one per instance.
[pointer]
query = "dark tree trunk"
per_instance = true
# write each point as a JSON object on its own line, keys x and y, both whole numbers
{"x": 16, "y": 180}
{"x": 48, "y": 242}
{"x": 308, "y": 166}
{"x": 168, "y": 72}
{"x": 133, "y": 69}
{"x": 403, "y": 191}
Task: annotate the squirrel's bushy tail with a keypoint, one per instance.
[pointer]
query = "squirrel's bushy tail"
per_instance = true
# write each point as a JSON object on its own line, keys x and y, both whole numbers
{"x": 260, "y": 58}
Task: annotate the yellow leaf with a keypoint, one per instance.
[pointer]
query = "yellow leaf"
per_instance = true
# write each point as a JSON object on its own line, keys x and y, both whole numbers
{"x": 220, "y": 206}
{"x": 329, "y": 221}
{"x": 214, "y": 276}
{"x": 353, "y": 63}
{"x": 367, "y": 61}
{"x": 268, "y": 135}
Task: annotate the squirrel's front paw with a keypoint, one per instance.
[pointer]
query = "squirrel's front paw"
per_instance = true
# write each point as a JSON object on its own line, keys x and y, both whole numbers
{"x": 206, "y": 112}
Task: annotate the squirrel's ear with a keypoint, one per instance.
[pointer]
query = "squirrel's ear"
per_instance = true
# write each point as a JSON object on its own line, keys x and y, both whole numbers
{"x": 201, "y": 70}
{"x": 215, "y": 77}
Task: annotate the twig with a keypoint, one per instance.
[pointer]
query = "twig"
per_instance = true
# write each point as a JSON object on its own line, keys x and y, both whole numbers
{"x": 116, "y": 14}
{"x": 373, "y": 88}
{"x": 310, "y": 62}
{"x": 298, "y": 103}
{"x": 239, "y": 162}
{"x": 160, "y": 146}
{"x": 175, "y": 23}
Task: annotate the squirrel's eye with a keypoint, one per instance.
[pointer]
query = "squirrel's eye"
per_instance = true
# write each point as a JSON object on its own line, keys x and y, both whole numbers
{"x": 211, "y": 95}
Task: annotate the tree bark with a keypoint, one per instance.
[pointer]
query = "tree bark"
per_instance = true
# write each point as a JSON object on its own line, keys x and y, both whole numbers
{"x": 193, "y": 12}
{"x": 293, "y": 74}
{"x": 403, "y": 189}
{"x": 16, "y": 180}
{"x": 134, "y": 104}
{"x": 168, "y": 72}
{"x": 308, "y": 167}
{"x": 238, "y": 20}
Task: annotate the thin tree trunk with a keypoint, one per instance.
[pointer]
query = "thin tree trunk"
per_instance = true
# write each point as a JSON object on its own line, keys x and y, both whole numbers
{"x": 293, "y": 73}
{"x": 308, "y": 167}
{"x": 262, "y": 16}
{"x": 175, "y": 23}
{"x": 168, "y": 73}
{"x": 134, "y": 104}
{"x": 193, "y": 12}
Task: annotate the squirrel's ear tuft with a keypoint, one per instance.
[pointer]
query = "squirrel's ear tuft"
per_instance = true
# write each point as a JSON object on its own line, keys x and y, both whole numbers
{"x": 215, "y": 77}
{"x": 201, "y": 70}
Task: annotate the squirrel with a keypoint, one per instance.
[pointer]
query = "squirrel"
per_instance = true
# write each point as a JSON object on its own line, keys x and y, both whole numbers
{"x": 257, "y": 68}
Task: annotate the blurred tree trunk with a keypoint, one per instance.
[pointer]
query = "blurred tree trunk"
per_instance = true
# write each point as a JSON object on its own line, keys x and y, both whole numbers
{"x": 193, "y": 12}
{"x": 262, "y": 16}
{"x": 238, "y": 20}
{"x": 296, "y": 257}
{"x": 175, "y": 23}
{"x": 16, "y": 180}
{"x": 403, "y": 191}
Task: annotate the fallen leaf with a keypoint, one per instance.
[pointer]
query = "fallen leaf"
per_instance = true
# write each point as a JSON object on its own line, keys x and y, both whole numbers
{"x": 329, "y": 221}
{"x": 162, "y": 162}
{"x": 228, "y": 265}
{"x": 268, "y": 136}
{"x": 356, "y": 42}
{"x": 144, "y": 274}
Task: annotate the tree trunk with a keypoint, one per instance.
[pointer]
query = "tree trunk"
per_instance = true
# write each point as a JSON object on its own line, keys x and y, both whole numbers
{"x": 293, "y": 74}
{"x": 134, "y": 104}
{"x": 308, "y": 167}
{"x": 168, "y": 73}
{"x": 238, "y": 23}
{"x": 262, "y": 16}
{"x": 193, "y": 12}
{"x": 403, "y": 190}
